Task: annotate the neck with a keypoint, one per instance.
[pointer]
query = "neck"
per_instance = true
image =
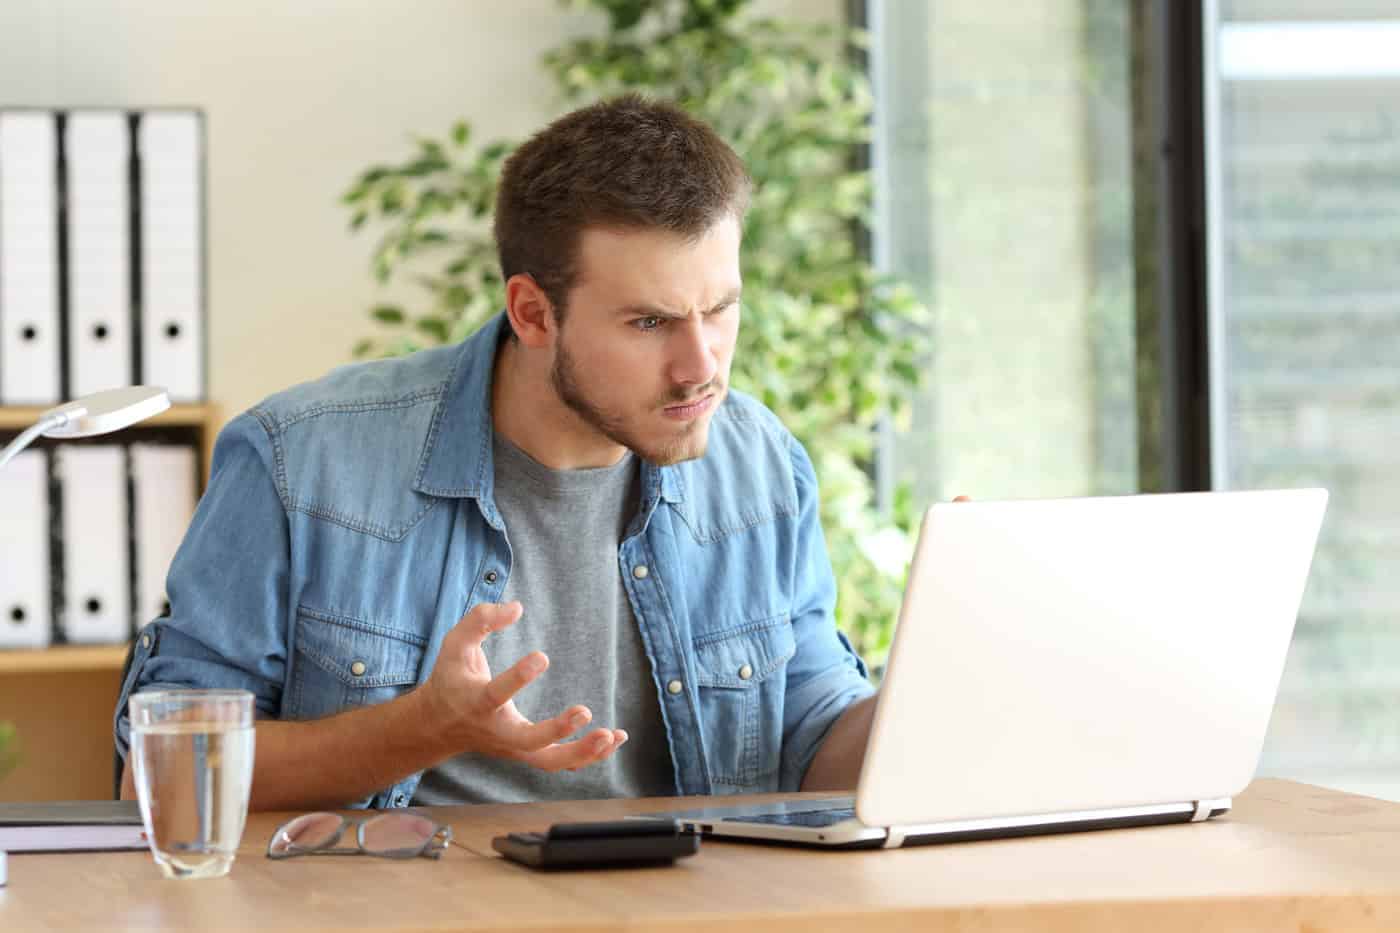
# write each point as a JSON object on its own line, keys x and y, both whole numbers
{"x": 527, "y": 411}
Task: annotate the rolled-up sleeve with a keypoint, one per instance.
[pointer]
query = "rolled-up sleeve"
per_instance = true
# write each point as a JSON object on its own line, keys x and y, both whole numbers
{"x": 825, "y": 675}
{"x": 227, "y": 587}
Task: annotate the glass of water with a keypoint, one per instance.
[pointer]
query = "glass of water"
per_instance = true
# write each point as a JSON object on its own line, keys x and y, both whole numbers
{"x": 192, "y": 757}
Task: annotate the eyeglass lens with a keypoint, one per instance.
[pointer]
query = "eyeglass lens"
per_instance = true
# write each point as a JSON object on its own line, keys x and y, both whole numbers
{"x": 307, "y": 833}
{"x": 395, "y": 833}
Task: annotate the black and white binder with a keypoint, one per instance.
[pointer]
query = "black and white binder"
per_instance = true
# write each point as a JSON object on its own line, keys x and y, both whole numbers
{"x": 96, "y": 562}
{"x": 165, "y": 489}
{"x": 170, "y": 156}
{"x": 97, "y": 150}
{"x": 29, "y": 258}
{"x": 26, "y": 620}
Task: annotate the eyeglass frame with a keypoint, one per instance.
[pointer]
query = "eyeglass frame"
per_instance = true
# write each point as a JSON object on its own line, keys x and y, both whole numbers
{"x": 431, "y": 847}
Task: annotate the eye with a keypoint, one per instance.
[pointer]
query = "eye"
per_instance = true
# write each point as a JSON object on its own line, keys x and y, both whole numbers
{"x": 648, "y": 323}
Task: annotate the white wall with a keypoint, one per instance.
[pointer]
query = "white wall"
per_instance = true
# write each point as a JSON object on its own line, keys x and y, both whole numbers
{"x": 299, "y": 96}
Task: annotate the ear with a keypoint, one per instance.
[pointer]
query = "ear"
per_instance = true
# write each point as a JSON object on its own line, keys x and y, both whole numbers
{"x": 530, "y": 312}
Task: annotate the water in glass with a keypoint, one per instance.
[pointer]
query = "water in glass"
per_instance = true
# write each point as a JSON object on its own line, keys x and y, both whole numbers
{"x": 193, "y": 765}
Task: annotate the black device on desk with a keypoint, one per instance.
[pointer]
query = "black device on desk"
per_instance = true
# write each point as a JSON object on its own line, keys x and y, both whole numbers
{"x": 614, "y": 844}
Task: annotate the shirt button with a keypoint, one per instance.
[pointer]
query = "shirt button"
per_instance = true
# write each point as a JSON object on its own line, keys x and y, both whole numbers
{"x": 492, "y": 576}
{"x": 640, "y": 571}
{"x": 745, "y": 672}
{"x": 399, "y": 801}
{"x": 357, "y": 668}
{"x": 145, "y": 641}
{"x": 674, "y": 687}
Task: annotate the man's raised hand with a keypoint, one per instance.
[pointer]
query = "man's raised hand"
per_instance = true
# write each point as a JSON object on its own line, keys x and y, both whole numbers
{"x": 475, "y": 712}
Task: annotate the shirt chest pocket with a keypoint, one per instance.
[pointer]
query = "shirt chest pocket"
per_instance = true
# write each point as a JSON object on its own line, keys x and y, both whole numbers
{"x": 342, "y": 663}
{"x": 741, "y": 685}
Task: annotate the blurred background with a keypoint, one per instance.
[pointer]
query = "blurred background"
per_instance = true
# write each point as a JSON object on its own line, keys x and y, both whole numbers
{"x": 1084, "y": 247}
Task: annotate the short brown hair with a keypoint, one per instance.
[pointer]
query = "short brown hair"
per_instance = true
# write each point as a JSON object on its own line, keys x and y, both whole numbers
{"x": 626, "y": 163}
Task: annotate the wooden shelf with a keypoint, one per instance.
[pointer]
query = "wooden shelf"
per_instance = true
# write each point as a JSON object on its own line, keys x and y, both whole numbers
{"x": 19, "y": 417}
{"x": 60, "y": 699}
{"x": 62, "y": 658}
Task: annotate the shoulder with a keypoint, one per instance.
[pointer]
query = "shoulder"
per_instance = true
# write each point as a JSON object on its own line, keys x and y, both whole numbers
{"x": 747, "y": 431}
{"x": 742, "y": 415}
{"x": 753, "y": 472}
{"x": 347, "y": 447}
{"x": 377, "y": 386}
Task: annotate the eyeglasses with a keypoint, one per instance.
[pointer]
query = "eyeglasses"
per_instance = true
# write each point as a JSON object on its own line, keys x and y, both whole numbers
{"x": 389, "y": 835}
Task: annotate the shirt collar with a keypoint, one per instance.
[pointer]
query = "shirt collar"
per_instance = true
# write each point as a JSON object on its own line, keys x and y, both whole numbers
{"x": 457, "y": 460}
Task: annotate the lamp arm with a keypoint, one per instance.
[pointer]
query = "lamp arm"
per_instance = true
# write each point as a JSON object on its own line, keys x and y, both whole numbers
{"x": 48, "y": 422}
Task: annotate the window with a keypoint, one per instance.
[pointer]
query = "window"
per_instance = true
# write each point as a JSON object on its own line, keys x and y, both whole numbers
{"x": 1003, "y": 157}
{"x": 1303, "y": 182}
{"x": 1020, "y": 165}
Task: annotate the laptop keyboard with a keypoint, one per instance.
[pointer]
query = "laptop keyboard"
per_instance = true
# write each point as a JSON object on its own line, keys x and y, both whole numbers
{"x": 813, "y": 818}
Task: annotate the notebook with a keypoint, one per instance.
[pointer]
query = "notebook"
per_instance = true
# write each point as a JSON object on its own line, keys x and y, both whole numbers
{"x": 71, "y": 826}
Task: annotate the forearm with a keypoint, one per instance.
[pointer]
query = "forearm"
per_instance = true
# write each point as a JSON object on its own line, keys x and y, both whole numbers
{"x": 332, "y": 762}
{"x": 836, "y": 766}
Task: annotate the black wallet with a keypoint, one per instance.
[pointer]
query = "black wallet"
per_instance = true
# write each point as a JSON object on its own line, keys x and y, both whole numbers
{"x": 614, "y": 844}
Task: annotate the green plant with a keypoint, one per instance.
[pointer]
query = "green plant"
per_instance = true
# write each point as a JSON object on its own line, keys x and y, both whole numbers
{"x": 9, "y": 747}
{"x": 826, "y": 342}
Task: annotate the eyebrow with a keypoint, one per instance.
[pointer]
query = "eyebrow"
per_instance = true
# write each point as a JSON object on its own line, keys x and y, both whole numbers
{"x": 653, "y": 311}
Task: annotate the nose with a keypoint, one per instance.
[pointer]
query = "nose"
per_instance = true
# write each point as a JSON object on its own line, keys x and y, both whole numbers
{"x": 694, "y": 361}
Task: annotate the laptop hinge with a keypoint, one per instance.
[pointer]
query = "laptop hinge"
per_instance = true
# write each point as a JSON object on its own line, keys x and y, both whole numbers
{"x": 894, "y": 839}
{"x": 1204, "y": 808}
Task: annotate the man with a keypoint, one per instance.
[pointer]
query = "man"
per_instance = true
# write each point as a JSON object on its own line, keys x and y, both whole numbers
{"x": 389, "y": 556}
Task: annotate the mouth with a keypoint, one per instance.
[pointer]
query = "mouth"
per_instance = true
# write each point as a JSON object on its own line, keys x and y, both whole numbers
{"x": 689, "y": 410}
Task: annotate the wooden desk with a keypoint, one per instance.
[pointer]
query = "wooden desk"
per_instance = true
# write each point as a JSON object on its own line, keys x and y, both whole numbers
{"x": 1290, "y": 856}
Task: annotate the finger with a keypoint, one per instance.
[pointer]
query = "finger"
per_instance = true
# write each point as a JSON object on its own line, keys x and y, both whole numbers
{"x": 598, "y": 747}
{"x": 533, "y": 736}
{"x": 961, "y": 499}
{"x": 486, "y": 618}
{"x": 588, "y": 750}
{"x": 506, "y": 685}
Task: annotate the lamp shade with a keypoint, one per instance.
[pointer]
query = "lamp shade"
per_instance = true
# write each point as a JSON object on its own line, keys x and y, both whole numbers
{"x": 99, "y": 413}
{"x": 107, "y": 411}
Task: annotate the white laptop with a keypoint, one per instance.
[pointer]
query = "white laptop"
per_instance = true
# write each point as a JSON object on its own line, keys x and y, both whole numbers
{"x": 1069, "y": 664}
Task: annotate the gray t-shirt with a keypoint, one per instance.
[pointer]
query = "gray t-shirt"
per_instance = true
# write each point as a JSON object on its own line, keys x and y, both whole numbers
{"x": 564, "y": 529}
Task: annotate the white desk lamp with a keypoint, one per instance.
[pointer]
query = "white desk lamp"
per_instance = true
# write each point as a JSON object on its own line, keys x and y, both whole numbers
{"x": 99, "y": 413}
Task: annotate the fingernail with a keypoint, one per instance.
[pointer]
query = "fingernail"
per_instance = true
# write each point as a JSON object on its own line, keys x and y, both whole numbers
{"x": 578, "y": 719}
{"x": 535, "y": 664}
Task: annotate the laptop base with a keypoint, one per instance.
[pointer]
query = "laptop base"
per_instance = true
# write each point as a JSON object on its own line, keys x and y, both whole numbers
{"x": 782, "y": 824}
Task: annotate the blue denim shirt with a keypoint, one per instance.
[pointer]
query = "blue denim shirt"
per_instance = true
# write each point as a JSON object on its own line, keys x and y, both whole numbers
{"x": 349, "y": 523}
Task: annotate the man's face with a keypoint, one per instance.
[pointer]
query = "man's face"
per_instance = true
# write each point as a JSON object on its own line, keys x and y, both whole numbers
{"x": 648, "y": 336}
